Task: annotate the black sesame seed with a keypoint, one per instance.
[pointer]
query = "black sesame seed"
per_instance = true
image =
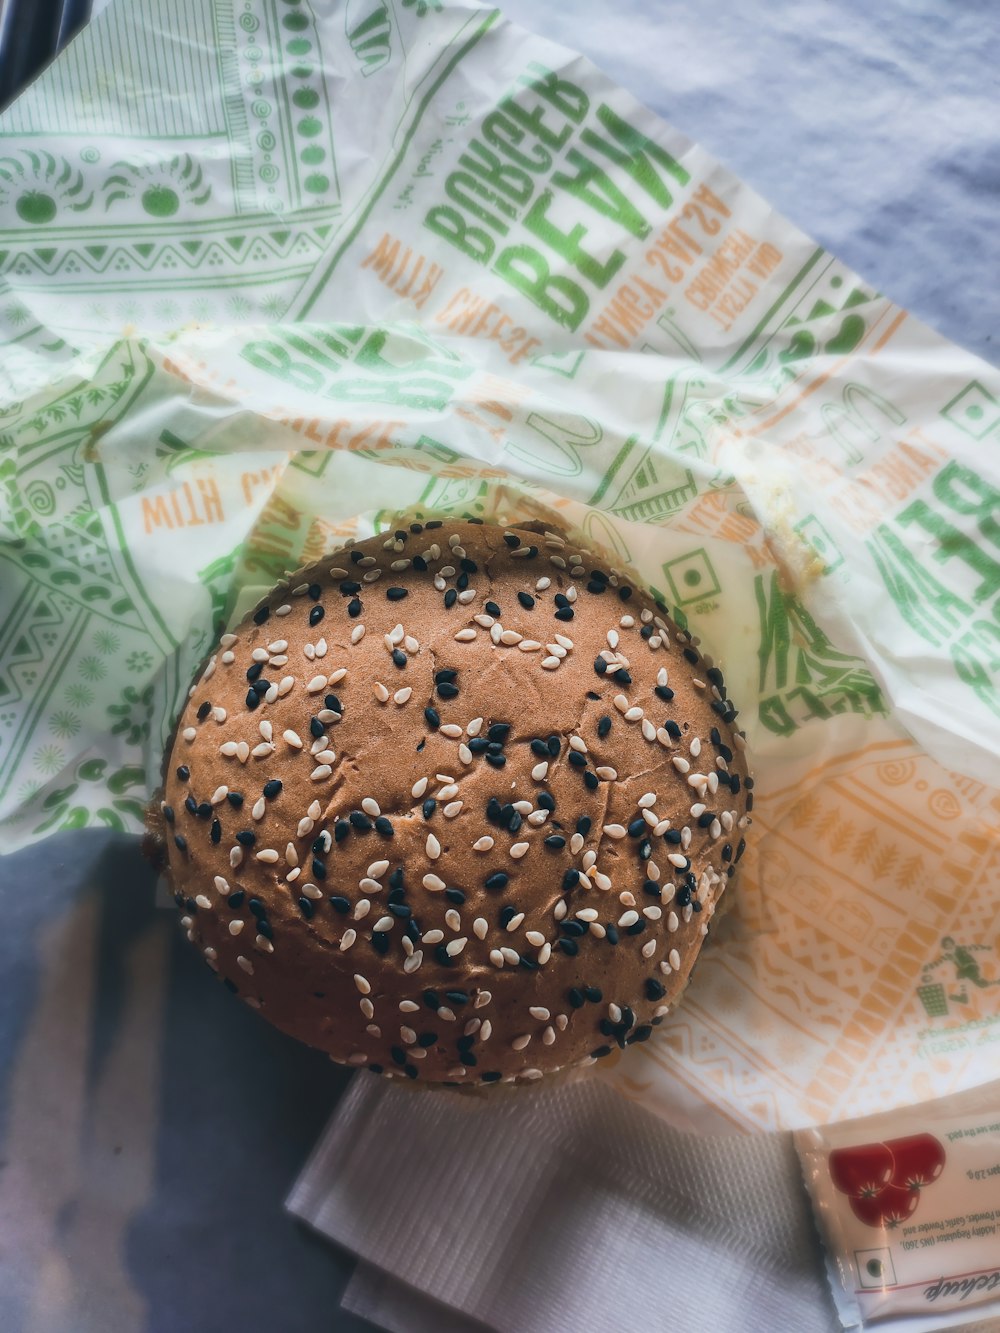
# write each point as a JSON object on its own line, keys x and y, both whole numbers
{"x": 492, "y": 609}
{"x": 727, "y": 851}
{"x": 592, "y": 694}
{"x": 734, "y": 783}
{"x": 319, "y": 868}
{"x": 646, "y": 632}
{"x": 691, "y": 656}
{"x": 215, "y": 832}
{"x": 642, "y": 1033}
{"x": 611, "y": 934}
{"x": 402, "y": 910}
{"x": 246, "y": 837}
{"x": 637, "y": 828}
{"x": 432, "y": 1000}
{"x": 496, "y": 760}
{"x": 396, "y": 594}
{"x": 600, "y": 666}
{"x": 595, "y": 587}
{"x": 465, "y": 1044}
{"x": 514, "y": 820}
{"x": 307, "y": 908}
{"x": 499, "y": 732}
{"x": 260, "y": 616}
{"x": 584, "y": 824}
{"x": 539, "y": 748}
{"x": 492, "y": 1075}
{"x": 637, "y": 927}
{"x": 553, "y": 745}
{"x": 546, "y": 801}
{"x": 454, "y": 895}
{"x": 497, "y": 880}
{"x": 607, "y": 1028}
{"x": 622, "y": 676}
{"x": 398, "y": 658}
{"x": 462, "y": 582}
{"x": 398, "y": 1055}
{"x": 590, "y": 781}
{"x": 315, "y": 591}
{"x": 672, "y": 835}
{"x": 316, "y": 728}
{"x": 183, "y": 772}
{"x": 190, "y": 805}
{"x": 180, "y": 842}
{"x": 235, "y": 799}
{"x": 252, "y": 699}
{"x": 478, "y": 745}
{"x": 705, "y": 818}
{"x": 655, "y": 990}
{"x": 443, "y": 956}
{"x": 652, "y": 888}
{"x": 350, "y": 588}
{"x": 568, "y": 946}
{"x": 575, "y": 997}
{"x": 264, "y": 928}
{"x": 426, "y": 1039}
{"x": 527, "y": 963}
{"x": 360, "y": 821}
{"x": 574, "y": 928}
{"x": 526, "y": 600}
{"x": 494, "y": 811}
{"x": 673, "y": 730}
{"x": 450, "y": 598}
{"x": 446, "y": 690}
{"x": 380, "y": 941}
{"x": 396, "y": 878}
{"x": 624, "y": 592}
{"x": 594, "y": 994}
{"x": 663, "y": 692}
{"x": 599, "y": 1052}
{"x": 577, "y": 759}
{"x": 261, "y": 687}
{"x": 683, "y": 895}
{"x": 236, "y": 898}
{"x": 383, "y": 825}
{"x": 420, "y": 563}
{"x": 341, "y": 830}
{"x": 168, "y": 813}
{"x": 354, "y": 607}
{"x": 316, "y": 615}
{"x": 564, "y": 613}
{"x": 204, "y": 711}
{"x": 428, "y": 807}
{"x": 469, "y": 566}
{"x": 333, "y": 703}
{"x": 512, "y": 539}
{"x": 571, "y": 878}
{"x": 714, "y": 677}
{"x": 433, "y": 523}
{"x": 253, "y": 672}
{"x": 432, "y": 718}
{"x": 749, "y": 801}
{"x": 507, "y": 914}
{"x": 204, "y": 811}
{"x": 740, "y": 849}
{"x": 556, "y": 841}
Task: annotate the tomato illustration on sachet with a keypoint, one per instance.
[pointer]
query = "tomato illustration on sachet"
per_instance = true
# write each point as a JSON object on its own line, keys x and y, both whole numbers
{"x": 862, "y": 1171}
{"x": 918, "y": 1161}
{"x": 884, "y": 1181}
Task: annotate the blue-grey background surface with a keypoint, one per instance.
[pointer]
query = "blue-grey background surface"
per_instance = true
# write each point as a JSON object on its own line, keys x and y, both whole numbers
{"x": 150, "y": 1126}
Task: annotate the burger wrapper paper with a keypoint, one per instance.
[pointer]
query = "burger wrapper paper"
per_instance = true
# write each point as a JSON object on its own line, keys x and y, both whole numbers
{"x": 267, "y": 268}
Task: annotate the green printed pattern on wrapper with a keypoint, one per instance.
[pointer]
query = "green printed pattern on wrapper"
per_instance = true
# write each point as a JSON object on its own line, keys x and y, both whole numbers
{"x": 479, "y": 280}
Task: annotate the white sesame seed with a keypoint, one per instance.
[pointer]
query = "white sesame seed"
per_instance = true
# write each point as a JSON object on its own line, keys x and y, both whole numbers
{"x": 621, "y": 703}
{"x": 454, "y": 947}
{"x": 384, "y": 923}
{"x": 418, "y": 788}
{"x": 496, "y": 629}
{"x": 349, "y": 936}
{"x": 681, "y": 764}
{"x": 464, "y": 753}
{"x": 267, "y": 854}
{"x": 453, "y": 919}
{"x": 556, "y": 651}
{"x": 432, "y": 937}
{"x": 606, "y": 772}
{"x": 510, "y": 955}
{"x": 628, "y": 919}
{"x": 713, "y": 782}
{"x": 674, "y": 958}
{"x": 316, "y": 684}
{"x": 529, "y": 646}
{"x": 483, "y": 844}
{"x": 587, "y": 914}
{"x": 540, "y": 771}
{"x": 362, "y": 983}
{"x": 626, "y": 898}
{"x": 560, "y": 909}
{"x": 481, "y": 618}
{"x": 381, "y": 693}
{"x": 550, "y": 663}
{"x": 571, "y": 593}
{"x": 450, "y": 729}
{"x": 446, "y": 792}
{"x": 510, "y": 637}
{"x": 545, "y": 953}
{"x": 519, "y": 1043}
{"x": 518, "y": 849}
{"x": 203, "y": 902}
{"x": 434, "y": 883}
{"x": 563, "y": 642}
{"x": 515, "y": 921}
{"x": 465, "y": 635}
{"x": 412, "y": 963}
{"x": 614, "y": 830}
{"x": 235, "y": 927}
{"x": 245, "y": 963}
{"x": 320, "y": 772}
{"x": 403, "y": 696}
{"x": 361, "y": 909}
{"x": 236, "y": 856}
{"x": 452, "y": 809}
{"x": 496, "y": 958}
{"x": 259, "y": 808}
{"x": 633, "y": 714}
{"x": 534, "y": 938}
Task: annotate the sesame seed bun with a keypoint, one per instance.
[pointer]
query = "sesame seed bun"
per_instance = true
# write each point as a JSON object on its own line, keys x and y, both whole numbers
{"x": 456, "y": 804}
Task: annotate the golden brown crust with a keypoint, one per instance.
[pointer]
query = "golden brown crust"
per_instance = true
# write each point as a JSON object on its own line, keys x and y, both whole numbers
{"x": 427, "y": 961}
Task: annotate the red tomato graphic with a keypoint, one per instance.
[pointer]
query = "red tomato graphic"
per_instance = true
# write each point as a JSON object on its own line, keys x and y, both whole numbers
{"x": 888, "y": 1208}
{"x": 862, "y": 1171}
{"x": 919, "y": 1160}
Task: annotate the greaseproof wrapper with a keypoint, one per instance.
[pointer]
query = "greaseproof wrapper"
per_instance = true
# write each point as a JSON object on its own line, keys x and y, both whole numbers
{"x": 339, "y": 264}
{"x": 909, "y": 1207}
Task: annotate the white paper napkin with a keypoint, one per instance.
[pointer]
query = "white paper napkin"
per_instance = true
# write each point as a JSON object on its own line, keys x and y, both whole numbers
{"x": 561, "y": 1209}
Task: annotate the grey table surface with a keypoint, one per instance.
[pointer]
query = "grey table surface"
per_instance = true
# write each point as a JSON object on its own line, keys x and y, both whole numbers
{"x": 150, "y": 1126}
